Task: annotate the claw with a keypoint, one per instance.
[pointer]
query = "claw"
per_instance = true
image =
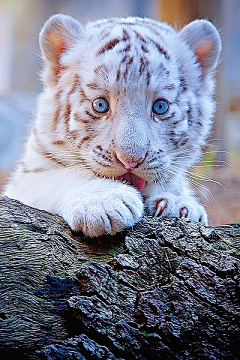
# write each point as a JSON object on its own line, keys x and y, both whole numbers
{"x": 183, "y": 212}
{"x": 161, "y": 205}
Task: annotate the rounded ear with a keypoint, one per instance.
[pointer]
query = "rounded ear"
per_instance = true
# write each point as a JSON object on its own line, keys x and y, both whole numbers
{"x": 58, "y": 35}
{"x": 204, "y": 39}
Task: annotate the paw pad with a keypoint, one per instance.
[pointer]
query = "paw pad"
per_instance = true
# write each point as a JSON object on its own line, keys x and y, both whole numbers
{"x": 161, "y": 205}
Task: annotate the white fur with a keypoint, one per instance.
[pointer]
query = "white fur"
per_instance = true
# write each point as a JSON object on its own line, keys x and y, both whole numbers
{"x": 67, "y": 173}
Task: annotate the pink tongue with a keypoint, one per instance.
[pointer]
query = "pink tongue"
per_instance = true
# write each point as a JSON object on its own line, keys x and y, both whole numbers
{"x": 134, "y": 180}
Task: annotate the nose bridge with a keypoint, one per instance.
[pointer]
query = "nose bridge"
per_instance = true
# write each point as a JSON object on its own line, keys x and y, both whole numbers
{"x": 131, "y": 138}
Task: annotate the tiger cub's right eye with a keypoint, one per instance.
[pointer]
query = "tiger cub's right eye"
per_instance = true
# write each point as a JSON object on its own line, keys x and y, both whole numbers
{"x": 100, "y": 105}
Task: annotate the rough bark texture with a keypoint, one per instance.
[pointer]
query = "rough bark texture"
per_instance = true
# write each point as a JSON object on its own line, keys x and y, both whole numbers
{"x": 168, "y": 289}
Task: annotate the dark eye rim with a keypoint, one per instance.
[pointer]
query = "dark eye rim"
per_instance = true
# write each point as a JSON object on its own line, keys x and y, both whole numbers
{"x": 101, "y": 112}
{"x": 161, "y": 115}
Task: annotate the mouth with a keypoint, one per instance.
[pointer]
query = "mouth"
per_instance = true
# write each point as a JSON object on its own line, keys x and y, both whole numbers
{"x": 133, "y": 180}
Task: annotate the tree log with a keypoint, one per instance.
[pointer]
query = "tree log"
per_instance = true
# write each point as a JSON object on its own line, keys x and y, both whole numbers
{"x": 167, "y": 289}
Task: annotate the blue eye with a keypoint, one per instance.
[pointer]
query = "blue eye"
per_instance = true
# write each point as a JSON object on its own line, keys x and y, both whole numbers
{"x": 160, "y": 107}
{"x": 100, "y": 105}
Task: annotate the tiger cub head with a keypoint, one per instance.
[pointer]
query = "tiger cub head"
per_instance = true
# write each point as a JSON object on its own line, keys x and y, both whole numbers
{"x": 129, "y": 99}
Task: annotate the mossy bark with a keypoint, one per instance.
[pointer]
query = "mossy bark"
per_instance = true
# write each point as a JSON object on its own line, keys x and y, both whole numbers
{"x": 167, "y": 289}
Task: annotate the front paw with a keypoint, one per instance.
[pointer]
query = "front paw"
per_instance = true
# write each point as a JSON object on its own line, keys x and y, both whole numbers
{"x": 168, "y": 204}
{"x": 105, "y": 212}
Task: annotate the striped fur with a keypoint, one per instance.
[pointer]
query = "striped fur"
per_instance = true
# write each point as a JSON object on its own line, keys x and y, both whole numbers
{"x": 77, "y": 161}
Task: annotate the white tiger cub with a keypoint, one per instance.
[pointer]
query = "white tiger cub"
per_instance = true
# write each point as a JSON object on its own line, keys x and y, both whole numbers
{"x": 126, "y": 107}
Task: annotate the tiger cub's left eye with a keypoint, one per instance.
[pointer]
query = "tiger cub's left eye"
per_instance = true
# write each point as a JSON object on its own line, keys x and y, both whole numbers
{"x": 100, "y": 105}
{"x": 160, "y": 107}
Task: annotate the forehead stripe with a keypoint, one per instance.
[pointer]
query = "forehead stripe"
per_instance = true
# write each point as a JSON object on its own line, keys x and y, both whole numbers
{"x": 160, "y": 48}
{"x": 110, "y": 45}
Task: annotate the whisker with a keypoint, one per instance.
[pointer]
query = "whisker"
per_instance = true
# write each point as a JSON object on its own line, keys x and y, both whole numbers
{"x": 197, "y": 176}
{"x": 171, "y": 179}
{"x": 217, "y": 151}
{"x": 196, "y": 184}
{"x": 162, "y": 181}
{"x": 200, "y": 187}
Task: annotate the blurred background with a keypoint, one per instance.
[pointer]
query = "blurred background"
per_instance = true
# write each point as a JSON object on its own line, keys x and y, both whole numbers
{"x": 218, "y": 178}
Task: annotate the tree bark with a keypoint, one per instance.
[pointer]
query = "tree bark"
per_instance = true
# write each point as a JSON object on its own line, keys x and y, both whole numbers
{"x": 167, "y": 289}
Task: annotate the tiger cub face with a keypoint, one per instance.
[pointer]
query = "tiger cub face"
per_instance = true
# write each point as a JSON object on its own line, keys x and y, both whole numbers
{"x": 127, "y": 96}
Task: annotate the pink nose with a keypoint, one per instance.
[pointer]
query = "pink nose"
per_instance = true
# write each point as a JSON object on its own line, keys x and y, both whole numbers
{"x": 128, "y": 165}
